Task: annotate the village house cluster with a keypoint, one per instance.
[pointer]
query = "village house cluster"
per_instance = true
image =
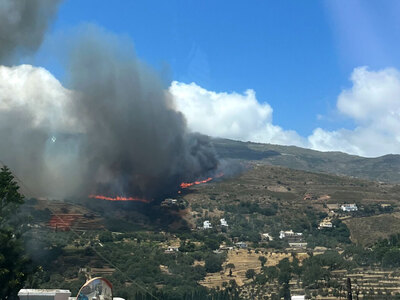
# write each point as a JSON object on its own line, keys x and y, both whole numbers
{"x": 207, "y": 224}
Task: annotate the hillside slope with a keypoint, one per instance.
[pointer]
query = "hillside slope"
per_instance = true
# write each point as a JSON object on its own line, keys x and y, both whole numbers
{"x": 385, "y": 168}
{"x": 270, "y": 199}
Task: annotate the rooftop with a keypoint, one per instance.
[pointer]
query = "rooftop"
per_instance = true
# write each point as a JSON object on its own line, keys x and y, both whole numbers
{"x": 42, "y": 292}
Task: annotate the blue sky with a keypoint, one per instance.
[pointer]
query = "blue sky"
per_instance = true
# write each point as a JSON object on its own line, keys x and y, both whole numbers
{"x": 297, "y": 56}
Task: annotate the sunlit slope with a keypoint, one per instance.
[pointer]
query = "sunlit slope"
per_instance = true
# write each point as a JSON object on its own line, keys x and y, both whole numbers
{"x": 385, "y": 168}
{"x": 270, "y": 198}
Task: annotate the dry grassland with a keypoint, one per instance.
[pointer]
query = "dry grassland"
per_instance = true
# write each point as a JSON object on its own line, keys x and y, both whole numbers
{"x": 243, "y": 260}
{"x": 369, "y": 229}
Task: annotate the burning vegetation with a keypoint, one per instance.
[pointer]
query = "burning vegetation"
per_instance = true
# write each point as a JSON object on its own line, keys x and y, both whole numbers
{"x": 183, "y": 185}
{"x": 118, "y": 198}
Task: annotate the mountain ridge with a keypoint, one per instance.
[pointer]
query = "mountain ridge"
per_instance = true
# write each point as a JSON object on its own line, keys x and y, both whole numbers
{"x": 384, "y": 168}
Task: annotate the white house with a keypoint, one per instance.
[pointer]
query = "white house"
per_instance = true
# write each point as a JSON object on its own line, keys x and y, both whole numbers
{"x": 171, "y": 201}
{"x": 289, "y": 233}
{"x": 298, "y": 297}
{"x": 224, "y": 223}
{"x": 207, "y": 224}
{"x": 171, "y": 249}
{"x": 298, "y": 245}
{"x": 349, "y": 207}
{"x": 241, "y": 245}
{"x": 325, "y": 223}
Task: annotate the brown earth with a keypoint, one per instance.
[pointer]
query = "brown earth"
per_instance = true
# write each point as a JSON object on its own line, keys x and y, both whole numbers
{"x": 366, "y": 230}
{"x": 243, "y": 260}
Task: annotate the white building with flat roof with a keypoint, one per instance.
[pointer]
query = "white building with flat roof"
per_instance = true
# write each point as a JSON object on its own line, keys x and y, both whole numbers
{"x": 349, "y": 207}
{"x": 241, "y": 245}
{"x": 298, "y": 297}
{"x": 325, "y": 223}
{"x": 207, "y": 224}
{"x": 288, "y": 233}
{"x": 298, "y": 245}
{"x": 224, "y": 223}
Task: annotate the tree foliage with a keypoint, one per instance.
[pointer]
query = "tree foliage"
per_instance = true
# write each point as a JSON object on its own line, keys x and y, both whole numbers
{"x": 10, "y": 198}
{"x": 213, "y": 263}
{"x": 14, "y": 265}
{"x": 250, "y": 273}
{"x": 262, "y": 260}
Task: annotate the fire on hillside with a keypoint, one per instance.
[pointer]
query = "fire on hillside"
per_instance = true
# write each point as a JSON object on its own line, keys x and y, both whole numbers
{"x": 183, "y": 185}
{"x": 119, "y": 198}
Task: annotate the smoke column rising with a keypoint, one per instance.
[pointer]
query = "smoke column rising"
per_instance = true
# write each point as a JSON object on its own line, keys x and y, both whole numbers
{"x": 135, "y": 142}
{"x": 23, "y": 24}
{"x": 115, "y": 131}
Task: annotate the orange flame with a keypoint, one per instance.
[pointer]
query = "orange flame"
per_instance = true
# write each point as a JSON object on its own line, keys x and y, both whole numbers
{"x": 118, "y": 198}
{"x": 185, "y": 185}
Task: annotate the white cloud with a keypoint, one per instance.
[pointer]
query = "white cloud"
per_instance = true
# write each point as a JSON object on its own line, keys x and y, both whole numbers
{"x": 375, "y": 96}
{"x": 37, "y": 92}
{"x": 373, "y": 103}
{"x": 229, "y": 115}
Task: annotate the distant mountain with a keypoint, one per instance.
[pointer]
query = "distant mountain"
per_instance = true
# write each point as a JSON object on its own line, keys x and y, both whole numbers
{"x": 384, "y": 168}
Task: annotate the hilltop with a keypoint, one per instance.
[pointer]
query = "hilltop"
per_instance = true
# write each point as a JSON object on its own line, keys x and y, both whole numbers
{"x": 384, "y": 168}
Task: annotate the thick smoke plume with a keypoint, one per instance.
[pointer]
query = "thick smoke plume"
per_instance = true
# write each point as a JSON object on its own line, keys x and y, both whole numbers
{"x": 23, "y": 24}
{"x": 33, "y": 107}
{"x": 134, "y": 142}
{"x": 31, "y": 99}
{"x": 115, "y": 131}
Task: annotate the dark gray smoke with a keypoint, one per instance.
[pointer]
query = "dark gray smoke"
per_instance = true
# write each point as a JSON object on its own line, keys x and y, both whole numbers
{"x": 114, "y": 132}
{"x": 23, "y": 24}
{"x": 134, "y": 142}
